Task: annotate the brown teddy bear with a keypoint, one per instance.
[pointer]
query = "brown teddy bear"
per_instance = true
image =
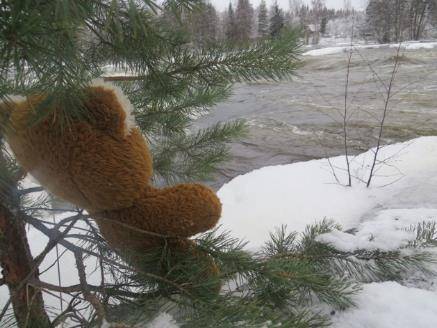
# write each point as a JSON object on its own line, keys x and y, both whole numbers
{"x": 103, "y": 165}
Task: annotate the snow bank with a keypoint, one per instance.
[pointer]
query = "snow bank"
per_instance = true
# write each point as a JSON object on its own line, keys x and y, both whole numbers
{"x": 417, "y": 45}
{"x": 390, "y": 305}
{"x": 410, "y": 45}
{"x": 325, "y": 51}
{"x": 402, "y": 194}
{"x": 387, "y": 231}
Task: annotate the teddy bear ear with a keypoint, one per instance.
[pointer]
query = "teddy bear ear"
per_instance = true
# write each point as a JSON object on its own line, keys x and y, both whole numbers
{"x": 7, "y": 106}
{"x": 8, "y": 103}
{"x": 110, "y": 109}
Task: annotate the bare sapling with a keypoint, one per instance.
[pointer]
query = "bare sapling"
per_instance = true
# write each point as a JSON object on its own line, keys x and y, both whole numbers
{"x": 387, "y": 98}
{"x": 345, "y": 112}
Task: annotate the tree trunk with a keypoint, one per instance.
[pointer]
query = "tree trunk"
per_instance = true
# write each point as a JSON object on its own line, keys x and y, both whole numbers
{"x": 421, "y": 23}
{"x": 17, "y": 264}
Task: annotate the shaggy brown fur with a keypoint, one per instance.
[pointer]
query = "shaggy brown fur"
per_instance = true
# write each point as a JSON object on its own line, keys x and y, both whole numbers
{"x": 101, "y": 166}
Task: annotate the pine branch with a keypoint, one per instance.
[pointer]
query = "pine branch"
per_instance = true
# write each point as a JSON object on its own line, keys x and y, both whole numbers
{"x": 282, "y": 283}
{"x": 194, "y": 156}
{"x": 426, "y": 235}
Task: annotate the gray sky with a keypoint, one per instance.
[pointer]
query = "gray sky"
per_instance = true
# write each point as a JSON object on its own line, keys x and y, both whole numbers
{"x": 337, "y": 4}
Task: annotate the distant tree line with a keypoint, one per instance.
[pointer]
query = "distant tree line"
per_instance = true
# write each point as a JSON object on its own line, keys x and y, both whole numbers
{"x": 242, "y": 23}
{"x": 398, "y": 20}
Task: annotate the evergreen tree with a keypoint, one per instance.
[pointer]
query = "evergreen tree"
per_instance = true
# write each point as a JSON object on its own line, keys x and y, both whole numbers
{"x": 56, "y": 48}
{"x": 396, "y": 20}
{"x": 244, "y": 21}
{"x": 380, "y": 19}
{"x": 263, "y": 24}
{"x": 289, "y": 20}
{"x": 323, "y": 24}
{"x": 304, "y": 16}
{"x": 231, "y": 28}
{"x": 276, "y": 20}
{"x": 204, "y": 25}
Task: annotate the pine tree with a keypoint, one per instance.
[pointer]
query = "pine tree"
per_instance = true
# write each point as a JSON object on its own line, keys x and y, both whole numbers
{"x": 396, "y": 20}
{"x": 379, "y": 17}
{"x": 204, "y": 25}
{"x": 276, "y": 20}
{"x": 56, "y": 48}
{"x": 244, "y": 21}
{"x": 231, "y": 25}
{"x": 323, "y": 24}
{"x": 263, "y": 24}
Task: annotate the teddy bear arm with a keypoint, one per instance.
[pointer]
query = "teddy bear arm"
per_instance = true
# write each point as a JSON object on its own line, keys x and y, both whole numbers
{"x": 176, "y": 212}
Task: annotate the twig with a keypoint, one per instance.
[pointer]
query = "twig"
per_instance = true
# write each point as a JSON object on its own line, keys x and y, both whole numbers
{"x": 91, "y": 298}
{"x": 101, "y": 262}
{"x": 58, "y": 267}
{"x": 123, "y": 78}
{"x": 27, "y": 191}
{"x": 110, "y": 289}
{"x": 5, "y": 308}
{"x": 53, "y": 233}
{"x": 346, "y": 93}
{"x": 384, "y": 114}
{"x": 333, "y": 171}
{"x": 61, "y": 317}
{"x": 55, "y": 261}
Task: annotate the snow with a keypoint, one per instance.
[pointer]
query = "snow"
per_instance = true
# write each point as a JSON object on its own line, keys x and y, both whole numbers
{"x": 302, "y": 193}
{"x": 390, "y": 305}
{"x": 325, "y": 51}
{"x": 384, "y": 216}
{"x": 409, "y": 45}
{"x": 164, "y": 320}
{"x": 420, "y": 45}
{"x": 387, "y": 231}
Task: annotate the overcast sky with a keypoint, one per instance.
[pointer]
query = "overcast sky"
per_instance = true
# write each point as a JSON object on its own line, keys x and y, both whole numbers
{"x": 337, "y": 4}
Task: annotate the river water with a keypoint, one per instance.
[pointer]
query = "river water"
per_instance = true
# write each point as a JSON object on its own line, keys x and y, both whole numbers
{"x": 301, "y": 119}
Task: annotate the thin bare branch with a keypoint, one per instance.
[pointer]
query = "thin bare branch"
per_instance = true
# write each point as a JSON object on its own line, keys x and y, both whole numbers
{"x": 384, "y": 114}
{"x": 345, "y": 113}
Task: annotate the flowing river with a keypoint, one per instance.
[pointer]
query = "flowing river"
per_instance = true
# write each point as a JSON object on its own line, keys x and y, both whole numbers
{"x": 302, "y": 119}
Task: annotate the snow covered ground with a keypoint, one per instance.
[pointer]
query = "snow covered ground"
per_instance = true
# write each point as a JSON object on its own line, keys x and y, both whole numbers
{"x": 390, "y": 305}
{"x": 402, "y": 194}
{"x": 343, "y": 47}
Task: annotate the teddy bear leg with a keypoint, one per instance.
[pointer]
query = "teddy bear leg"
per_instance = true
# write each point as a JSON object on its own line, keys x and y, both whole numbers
{"x": 176, "y": 259}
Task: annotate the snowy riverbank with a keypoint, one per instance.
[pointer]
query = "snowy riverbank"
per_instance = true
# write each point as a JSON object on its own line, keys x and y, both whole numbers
{"x": 402, "y": 195}
{"x": 408, "y": 45}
